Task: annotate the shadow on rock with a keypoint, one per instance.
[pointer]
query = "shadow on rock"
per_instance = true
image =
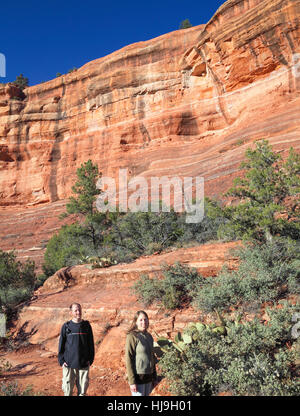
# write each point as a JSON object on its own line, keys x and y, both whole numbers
{"x": 22, "y": 336}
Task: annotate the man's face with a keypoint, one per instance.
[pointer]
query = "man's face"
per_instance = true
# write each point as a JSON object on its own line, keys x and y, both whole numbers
{"x": 76, "y": 313}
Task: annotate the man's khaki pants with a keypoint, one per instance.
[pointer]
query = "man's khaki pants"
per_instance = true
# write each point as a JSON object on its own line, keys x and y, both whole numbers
{"x": 72, "y": 376}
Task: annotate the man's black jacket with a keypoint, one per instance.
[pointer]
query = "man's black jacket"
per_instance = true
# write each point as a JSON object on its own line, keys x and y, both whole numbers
{"x": 76, "y": 344}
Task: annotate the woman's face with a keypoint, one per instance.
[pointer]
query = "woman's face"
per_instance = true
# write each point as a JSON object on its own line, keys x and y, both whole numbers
{"x": 142, "y": 322}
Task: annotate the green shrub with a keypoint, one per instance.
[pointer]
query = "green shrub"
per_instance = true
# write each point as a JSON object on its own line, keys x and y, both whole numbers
{"x": 124, "y": 237}
{"x": 174, "y": 290}
{"x": 202, "y": 232}
{"x": 65, "y": 248}
{"x": 145, "y": 232}
{"x": 148, "y": 290}
{"x": 13, "y": 389}
{"x": 254, "y": 358}
{"x": 4, "y": 366}
{"x": 266, "y": 273}
{"x": 40, "y": 280}
{"x": 72, "y": 70}
{"x": 17, "y": 280}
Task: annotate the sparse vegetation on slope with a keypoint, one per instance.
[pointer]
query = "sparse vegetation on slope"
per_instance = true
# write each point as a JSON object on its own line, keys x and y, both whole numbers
{"x": 257, "y": 353}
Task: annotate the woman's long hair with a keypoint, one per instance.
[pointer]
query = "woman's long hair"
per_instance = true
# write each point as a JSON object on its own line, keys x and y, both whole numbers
{"x": 133, "y": 326}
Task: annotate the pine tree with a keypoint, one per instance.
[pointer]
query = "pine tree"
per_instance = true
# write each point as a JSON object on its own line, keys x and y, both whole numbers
{"x": 266, "y": 201}
{"x": 21, "y": 82}
{"x": 185, "y": 24}
{"x": 84, "y": 203}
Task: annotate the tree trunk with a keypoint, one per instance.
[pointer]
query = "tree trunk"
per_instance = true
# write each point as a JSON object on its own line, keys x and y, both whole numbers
{"x": 268, "y": 236}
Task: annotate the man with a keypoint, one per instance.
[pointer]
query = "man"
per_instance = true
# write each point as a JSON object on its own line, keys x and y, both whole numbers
{"x": 76, "y": 352}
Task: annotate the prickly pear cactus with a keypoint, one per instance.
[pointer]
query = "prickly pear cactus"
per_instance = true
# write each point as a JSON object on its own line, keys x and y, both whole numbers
{"x": 99, "y": 262}
{"x": 191, "y": 334}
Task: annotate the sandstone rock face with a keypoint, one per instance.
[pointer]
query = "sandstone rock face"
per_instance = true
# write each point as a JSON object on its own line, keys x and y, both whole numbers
{"x": 177, "y": 99}
{"x": 187, "y": 103}
{"x": 96, "y": 112}
{"x": 28, "y": 229}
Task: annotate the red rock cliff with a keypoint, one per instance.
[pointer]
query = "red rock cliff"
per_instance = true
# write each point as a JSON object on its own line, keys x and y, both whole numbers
{"x": 187, "y": 103}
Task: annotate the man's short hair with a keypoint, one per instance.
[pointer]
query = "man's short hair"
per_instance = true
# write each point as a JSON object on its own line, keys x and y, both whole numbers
{"x": 74, "y": 303}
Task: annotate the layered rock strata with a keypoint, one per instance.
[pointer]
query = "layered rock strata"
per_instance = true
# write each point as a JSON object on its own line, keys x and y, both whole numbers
{"x": 187, "y": 103}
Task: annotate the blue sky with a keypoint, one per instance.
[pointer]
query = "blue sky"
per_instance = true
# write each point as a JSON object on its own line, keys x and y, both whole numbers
{"x": 40, "y": 39}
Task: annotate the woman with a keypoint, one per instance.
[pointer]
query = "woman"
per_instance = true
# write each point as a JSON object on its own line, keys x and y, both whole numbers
{"x": 140, "y": 360}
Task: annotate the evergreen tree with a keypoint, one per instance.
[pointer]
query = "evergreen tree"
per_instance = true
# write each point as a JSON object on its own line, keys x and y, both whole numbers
{"x": 84, "y": 203}
{"x": 266, "y": 201}
{"x": 21, "y": 82}
{"x": 185, "y": 24}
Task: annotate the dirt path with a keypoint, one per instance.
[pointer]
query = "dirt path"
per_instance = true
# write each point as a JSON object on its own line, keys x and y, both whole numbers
{"x": 37, "y": 370}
